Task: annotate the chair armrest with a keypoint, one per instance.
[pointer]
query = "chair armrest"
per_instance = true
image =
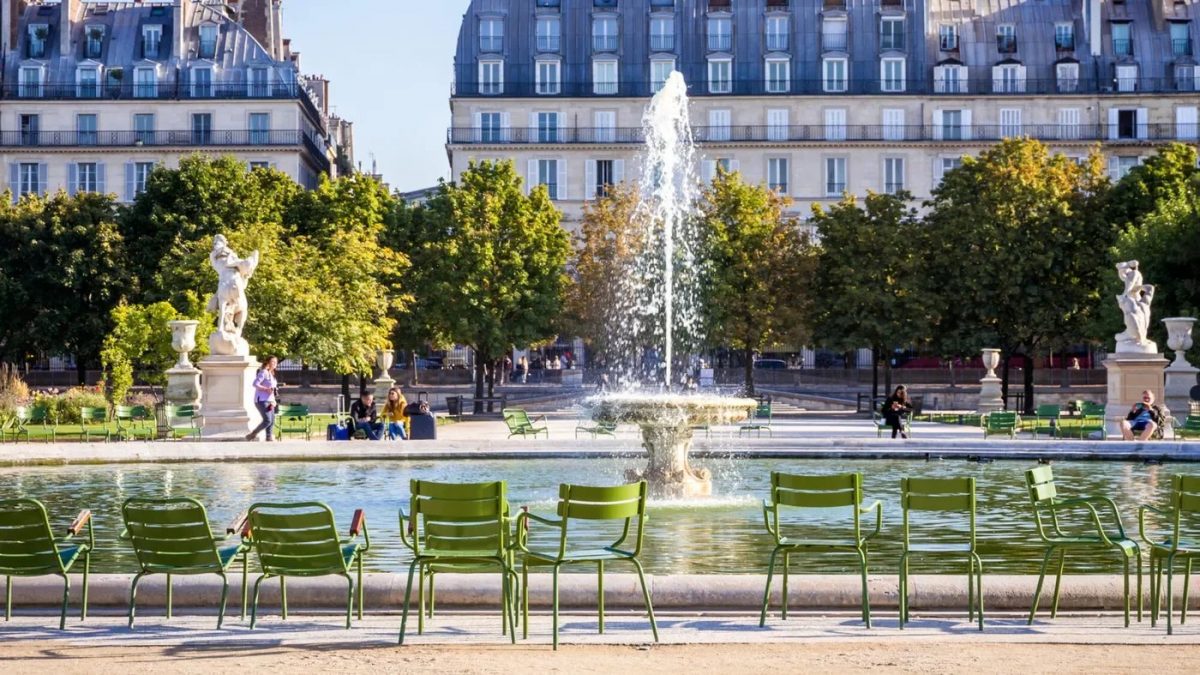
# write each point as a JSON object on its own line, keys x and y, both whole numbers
{"x": 1142, "y": 520}
{"x": 1078, "y": 502}
{"x": 877, "y": 507}
{"x": 408, "y": 526}
{"x": 238, "y": 524}
{"x": 84, "y": 518}
{"x": 522, "y": 525}
{"x": 769, "y": 518}
{"x": 1112, "y": 509}
{"x": 542, "y": 418}
{"x": 358, "y": 524}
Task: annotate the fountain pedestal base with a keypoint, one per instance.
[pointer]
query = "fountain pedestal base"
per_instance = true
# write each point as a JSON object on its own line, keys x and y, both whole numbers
{"x": 668, "y": 473}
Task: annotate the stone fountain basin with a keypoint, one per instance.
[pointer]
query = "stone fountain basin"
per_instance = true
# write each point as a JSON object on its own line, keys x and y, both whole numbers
{"x": 670, "y": 410}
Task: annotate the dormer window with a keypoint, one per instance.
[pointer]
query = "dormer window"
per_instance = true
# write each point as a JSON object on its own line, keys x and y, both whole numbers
{"x": 87, "y": 81}
{"x": 1181, "y": 41}
{"x": 777, "y": 33}
{"x": 720, "y": 35}
{"x": 208, "y": 41}
{"x": 202, "y": 82}
{"x": 1121, "y": 40}
{"x": 145, "y": 82}
{"x": 549, "y": 33}
{"x": 491, "y": 35}
{"x": 151, "y": 41}
{"x": 604, "y": 34}
{"x": 258, "y": 81}
{"x": 948, "y": 37}
{"x": 1064, "y": 37}
{"x": 38, "y": 35}
{"x": 31, "y": 82}
{"x": 93, "y": 46}
{"x": 1006, "y": 38}
{"x": 891, "y": 34}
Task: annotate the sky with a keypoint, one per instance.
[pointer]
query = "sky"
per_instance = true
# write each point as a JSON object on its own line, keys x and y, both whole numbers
{"x": 390, "y": 67}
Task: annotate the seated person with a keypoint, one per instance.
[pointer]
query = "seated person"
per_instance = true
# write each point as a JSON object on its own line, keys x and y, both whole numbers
{"x": 364, "y": 415}
{"x": 393, "y": 415}
{"x": 1144, "y": 418}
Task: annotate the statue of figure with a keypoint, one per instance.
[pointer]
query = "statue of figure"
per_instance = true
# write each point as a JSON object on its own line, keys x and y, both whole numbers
{"x": 229, "y": 302}
{"x": 1135, "y": 303}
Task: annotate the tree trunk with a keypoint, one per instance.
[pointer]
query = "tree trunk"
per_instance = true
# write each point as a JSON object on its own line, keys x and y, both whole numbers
{"x": 748, "y": 382}
{"x": 887, "y": 375}
{"x": 491, "y": 383}
{"x": 480, "y": 373}
{"x": 414, "y": 378}
{"x": 1004, "y": 380}
{"x": 363, "y": 378}
{"x": 1029, "y": 402}
{"x": 874, "y": 374}
{"x": 346, "y": 391}
{"x": 81, "y": 371}
{"x": 305, "y": 375}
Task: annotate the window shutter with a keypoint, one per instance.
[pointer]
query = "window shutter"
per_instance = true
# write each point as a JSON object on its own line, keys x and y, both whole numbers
{"x": 589, "y": 186}
{"x": 1113, "y": 124}
{"x": 709, "y": 171}
{"x": 43, "y": 176}
{"x": 1021, "y": 79}
{"x": 14, "y": 181}
{"x": 505, "y": 126}
{"x": 532, "y": 176}
{"x": 533, "y": 128}
{"x": 1143, "y": 123}
{"x": 1113, "y": 169}
{"x": 734, "y": 166}
{"x": 101, "y": 184}
{"x": 558, "y": 118}
{"x": 563, "y": 191}
{"x": 937, "y": 125}
{"x": 72, "y": 179}
{"x": 477, "y": 132}
{"x": 129, "y": 182}
{"x": 618, "y": 171}
{"x": 1185, "y": 123}
{"x": 966, "y": 125}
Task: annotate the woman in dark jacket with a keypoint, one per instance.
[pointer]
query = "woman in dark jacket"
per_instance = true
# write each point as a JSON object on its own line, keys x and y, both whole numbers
{"x": 895, "y": 408}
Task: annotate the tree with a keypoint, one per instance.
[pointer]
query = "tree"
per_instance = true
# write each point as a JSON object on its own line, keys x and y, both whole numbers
{"x": 870, "y": 258}
{"x": 500, "y": 275}
{"x": 1170, "y": 173}
{"x": 64, "y": 268}
{"x": 410, "y": 229}
{"x": 140, "y": 343}
{"x": 1016, "y": 246}
{"x": 759, "y": 272}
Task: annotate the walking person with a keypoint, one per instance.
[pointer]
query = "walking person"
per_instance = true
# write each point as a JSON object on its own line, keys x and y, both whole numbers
{"x": 265, "y": 386}
{"x": 393, "y": 415}
{"x": 895, "y": 408}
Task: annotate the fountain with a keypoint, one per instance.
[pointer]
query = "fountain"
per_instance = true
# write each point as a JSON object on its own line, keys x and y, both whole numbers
{"x": 663, "y": 284}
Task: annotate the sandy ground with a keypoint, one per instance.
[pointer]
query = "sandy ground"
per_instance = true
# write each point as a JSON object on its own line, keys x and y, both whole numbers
{"x": 824, "y": 657}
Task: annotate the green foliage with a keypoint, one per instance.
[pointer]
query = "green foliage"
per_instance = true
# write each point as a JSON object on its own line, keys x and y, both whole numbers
{"x": 867, "y": 291}
{"x": 1169, "y": 174}
{"x": 65, "y": 408}
{"x": 760, "y": 268}
{"x": 140, "y": 343}
{"x": 13, "y": 391}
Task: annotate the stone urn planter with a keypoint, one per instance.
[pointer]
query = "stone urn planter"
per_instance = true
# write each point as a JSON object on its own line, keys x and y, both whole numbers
{"x": 991, "y": 359}
{"x": 384, "y": 358}
{"x": 1179, "y": 339}
{"x": 183, "y": 341}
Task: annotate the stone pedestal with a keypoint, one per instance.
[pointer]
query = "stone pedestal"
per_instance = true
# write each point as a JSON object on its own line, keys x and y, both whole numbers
{"x": 669, "y": 473}
{"x": 991, "y": 394}
{"x": 183, "y": 386}
{"x": 1128, "y": 374}
{"x": 227, "y": 403}
{"x": 383, "y": 385}
{"x": 1177, "y": 392}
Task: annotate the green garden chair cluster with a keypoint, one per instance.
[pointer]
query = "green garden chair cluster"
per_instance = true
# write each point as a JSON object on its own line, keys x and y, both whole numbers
{"x": 759, "y": 421}
{"x": 1048, "y": 421}
{"x": 28, "y": 548}
{"x": 134, "y": 422}
{"x": 94, "y": 422}
{"x": 520, "y": 424}
{"x": 294, "y": 418}
{"x": 26, "y": 419}
{"x": 1189, "y": 429}
{"x": 1089, "y": 422}
{"x": 1181, "y": 544}
{"x": 595, "y": 428}
{"x": 182, "y": 420}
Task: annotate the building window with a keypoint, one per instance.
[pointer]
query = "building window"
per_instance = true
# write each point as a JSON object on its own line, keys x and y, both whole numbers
{"x": 891, "y": 73}
{"x": 1067, "y": 77}
{"x": 1127, "y": 78}
{"x": 833, "y": 35}
{"x": 606, "y": 126}
{"x": 1064, "y": 37}
{"x": 950, "y": 125}
{"x": 1123, "y": 165}
{"x": 893, "y": 175}
{"x": 201, "y": 128}
{"x": 93, "y": 46}
{"x": 950, "y": 79}
{"x": 87, "y": 82}
{"x": 891, "y": 33}
{"x": 720, "y": 34}
{"x": 260, "y": 128}
{"x": 777, "y": 174}
{"x": 491, "y": 77}
{"x": 30, "y": 129}
{"x": 719, "y": 123}
{"x": 259, "y": 165}
{"x": 605, "y": 177}
{"x": 604, "y": 34}
{"x": 1185, "y": 77}
{"x": 140, "y": 176}
{"x": 947, "y": 165}
{"x": 720, "y": 76}
{"x": 777, "y": 124}
{"x": 604, "y": 77}
{"x": 893, "y": 124}
{"x": 1010, "y": 122}
{"x": 491, "y": 35}
{"x": 31, "y": 82}
{"x": 202, "y": 83}
{"x": 547, "y": 77}
{"x": 778, "y": 33}
{"x": 662, "y": 33}
{"x": 549, "y": 33}
{"x": 151, "y": 41}
{"x": 208, "y": 41}
{"x": 38, "y": 34}
{"x": 258, "y": 82}
{"x": 1181, "y": 39}
{"x": 833, "y": 75}
{"x": 948, "y": 37}
{"x": 1122, "y": 43}
{"x": 547, "y": 127}
{"x": 547, "y": 174}
{"x": 778, "y": 76}
{"x": 660, "y": 70}
{"x": 30, "y": 179}
{"x": 1124, "y": 124}
{"x": 143, "y": 128}
{"x": 145, "y": 83}
{"x": 1068, "y": 124}
{"x": 86, "y": 179}
{"x": 835, "y": 176}
{"x": 1008, "y": 79}
{"x": 85, "y": 129}
{"x": 835, "y": 124}
{"x": 1186, "y": 119}
{"x": 1006, "y": 38}
{"x": 490, "y": 125}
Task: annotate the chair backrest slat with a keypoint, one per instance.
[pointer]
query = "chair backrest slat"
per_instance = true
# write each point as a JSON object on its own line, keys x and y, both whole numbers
{"x": 296, "y": 539}
{"x": 170, "y": 535}
{"x": 460, "y": 516}
{"x": 593, "y": 511}
{"x": 938, "y": 502}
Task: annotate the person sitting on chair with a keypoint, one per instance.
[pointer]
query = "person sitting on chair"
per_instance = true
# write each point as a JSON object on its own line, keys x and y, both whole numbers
{"x": 894, "y": 410}
{"x": 393, "y": 415}
{"x": 364, "y": 415}
{"x": 1144, "y": 418}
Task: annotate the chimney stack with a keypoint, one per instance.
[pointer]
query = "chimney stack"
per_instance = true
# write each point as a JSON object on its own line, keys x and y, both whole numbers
{"x": 10, "y": 20}
{"x": 69, "y": 12}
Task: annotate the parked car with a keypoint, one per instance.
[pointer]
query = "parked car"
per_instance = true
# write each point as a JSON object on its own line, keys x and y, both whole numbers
{"x": 770, "y": 364}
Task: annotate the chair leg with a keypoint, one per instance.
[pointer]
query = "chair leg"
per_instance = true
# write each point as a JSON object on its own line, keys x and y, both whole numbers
{"x": 133, "y": 596}
{"x": 1062, "y": 563}
{"x": 7, "y": 598}
{"x": 170, "y": 598}
{"x": 970, "y": 587}
{"x": 646, "y": 596}
{"x": 979, "y": 587}
{"x": 1187, "y": 577}
{"x": 554, "y": 604}
{"x": 245, "y": 581}
{"x": 866, "y": 596}
{"x": 787, "y": 562}
{"x": 254, "y": 607}
{"x": 283, "y": 597}
{"x": 1154, "y": 591}
{"x": 600, "y": 592}
{"x": 432, "y": 594}
{"x": 524, "y": 601}
{"x": 349, "y": 600}
{"x": 1139, "y": 585}
{"x": 1170, "y": 591}
{"x": 224, "y": 598}
{"x": 421, "y": 600}
{"x": 762, "y": 619}
{"x": 407, "y": 597}
{"x": 1037, "y": 593}
{"x": 87, "y": 568}
{"x": 360, "y": 587}
{"x": 62, "y": 619}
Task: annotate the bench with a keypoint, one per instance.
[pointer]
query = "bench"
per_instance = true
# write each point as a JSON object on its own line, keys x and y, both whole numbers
{"x": 1001, "y": 422}
{"x": 293, "y": 418}
{"x": 519, "y": 424}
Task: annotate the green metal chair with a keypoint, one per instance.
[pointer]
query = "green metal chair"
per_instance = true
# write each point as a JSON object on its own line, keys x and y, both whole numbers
{"x": 132, "y": 422}
{"x": 28, "y": 548}
{"x": 759, "y": 422}
{"x": 881, "y": 423}
{"x": 520, "y": 424}
{"x": 842, "y": 491}
{"x": 942, "y": 495}
{"x": 182, "y": 420}
{"x": 1048, "y": 420}
{"x": 1179, "y": 545}
{"x": 301, "y": 540}
{"x": 294, "y": 418}
{"x": 461, "y": 528}
{"x": 1189, "y": 429}
{"x": 577, "y": 502}
{"x": 1001, "y": 423}
{"x": 15, "y": 426}
{"x": 1092, "y": 536}
{"x": 173, "y": 537}
{"x": 1090, "y": 421}
{"x": 595, "y": 428}
{"x": 94, "y": 421}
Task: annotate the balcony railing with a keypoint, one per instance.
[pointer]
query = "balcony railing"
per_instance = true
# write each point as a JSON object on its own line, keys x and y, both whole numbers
{"x": 777, "y": 42}
{"x": 1181, "y": 47}
{"x": 604, "y": 43}
{"x": 548, "y": 43}
{"x": 983, "y": 85}
{"x": 491, "y": 43}
{"x": 834, "y": 42}
{"x": 1123, "y": 47}
{"x": 158, "y": 90}
{"x": 821, "y": 133}
{"x": 893, "y": 41}
{"x": 135, "y": 139}
{"x": 662, "y": 43}
{"x": 720, "y": 43}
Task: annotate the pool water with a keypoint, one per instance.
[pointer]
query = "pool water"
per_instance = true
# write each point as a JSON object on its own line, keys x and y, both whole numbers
{"x": 723, "y": 534}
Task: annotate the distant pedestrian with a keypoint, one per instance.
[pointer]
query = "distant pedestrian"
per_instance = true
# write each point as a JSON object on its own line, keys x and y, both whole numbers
{"x": 265, "y": 387}
{"x": 523, "y": 369}
{"x": 895, "y": 408}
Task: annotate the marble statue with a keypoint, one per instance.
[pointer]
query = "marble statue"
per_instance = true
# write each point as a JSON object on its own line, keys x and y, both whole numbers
{"x": 229, "y": 302}
{"x": 1134, "y": 302}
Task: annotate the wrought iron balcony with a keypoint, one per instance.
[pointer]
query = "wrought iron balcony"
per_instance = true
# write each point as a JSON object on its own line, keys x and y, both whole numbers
{"x": 662, "y": 43}
{"x": 156, "y": 139}
{"x": 834, "y": 42}
{"x": 604, "y": 43}
{"x": 720, "y": 43}
{"x": 777, "y": 42}
{"x": 893, "y": 41}
{"x": 1181, "y": 47}
{"x": 1122, "y": 47}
